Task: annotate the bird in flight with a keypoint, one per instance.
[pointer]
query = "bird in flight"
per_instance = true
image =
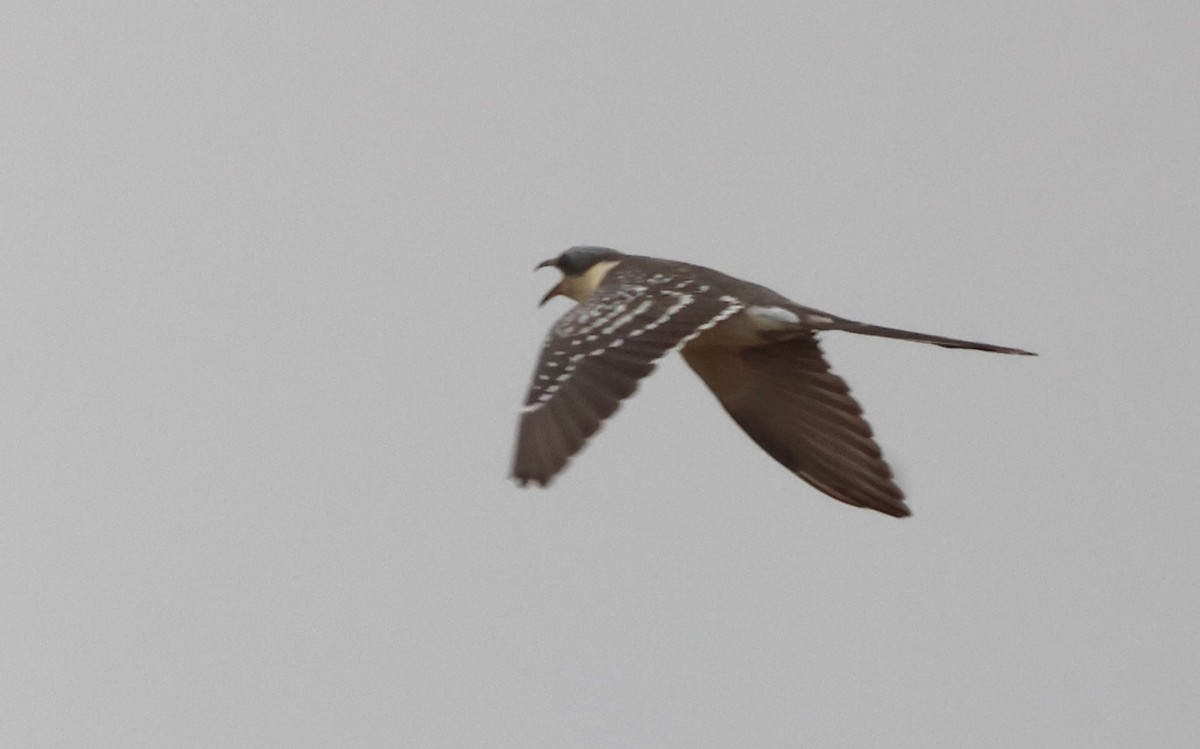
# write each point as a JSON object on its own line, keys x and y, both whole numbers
{"x": 756, "y": 351}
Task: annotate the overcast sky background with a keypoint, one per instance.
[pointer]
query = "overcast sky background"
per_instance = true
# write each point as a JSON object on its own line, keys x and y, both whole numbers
{"x": 267, "y": 311}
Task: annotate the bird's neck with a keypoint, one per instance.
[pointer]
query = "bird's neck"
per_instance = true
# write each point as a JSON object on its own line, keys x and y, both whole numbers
{"x": 581, "y": 287}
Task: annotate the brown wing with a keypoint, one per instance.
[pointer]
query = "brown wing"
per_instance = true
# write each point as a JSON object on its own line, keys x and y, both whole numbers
{"x": 593, "y": 358}
{"x": 788, "y": 401}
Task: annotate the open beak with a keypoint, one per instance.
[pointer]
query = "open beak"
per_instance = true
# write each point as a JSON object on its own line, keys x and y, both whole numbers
{"x": 551, "y": 294}
{"x": 557, "y": 287}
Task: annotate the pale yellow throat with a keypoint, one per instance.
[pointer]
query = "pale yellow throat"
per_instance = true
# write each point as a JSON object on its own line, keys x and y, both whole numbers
{"x": 583, "y": 286}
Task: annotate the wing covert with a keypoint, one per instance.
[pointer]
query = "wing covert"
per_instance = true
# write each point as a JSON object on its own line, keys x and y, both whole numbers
{"x": 595, "y": 354}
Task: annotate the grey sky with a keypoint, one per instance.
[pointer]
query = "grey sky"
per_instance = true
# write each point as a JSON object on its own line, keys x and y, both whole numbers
{"x": 267, "y": 311}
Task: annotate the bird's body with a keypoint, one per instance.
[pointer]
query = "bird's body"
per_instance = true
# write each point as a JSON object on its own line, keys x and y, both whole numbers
{"x": 755, "y": 349}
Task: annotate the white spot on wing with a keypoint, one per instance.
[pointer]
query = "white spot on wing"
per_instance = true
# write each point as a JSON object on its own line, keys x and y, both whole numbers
{"x": 734, "y": 307}
{"x": 630, "y": 310}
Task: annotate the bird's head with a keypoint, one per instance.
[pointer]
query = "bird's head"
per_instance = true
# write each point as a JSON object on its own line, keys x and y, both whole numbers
{"x": 583, "y": 269}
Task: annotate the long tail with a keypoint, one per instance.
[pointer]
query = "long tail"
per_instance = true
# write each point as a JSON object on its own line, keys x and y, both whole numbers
{"x": 852, "y": 326}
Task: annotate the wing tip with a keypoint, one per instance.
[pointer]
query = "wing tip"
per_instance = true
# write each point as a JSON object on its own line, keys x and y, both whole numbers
{"x": 525, "y": 478}
{"x": 891, "y": 504}
{"x": 897, "y": 511}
